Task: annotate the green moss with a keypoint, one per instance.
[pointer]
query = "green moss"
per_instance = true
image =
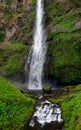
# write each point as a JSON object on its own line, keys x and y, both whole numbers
{"x": 29, "y": 22}
{"x": 8, "y": 13}
{"x": 71, "y": 108}
{"x": 63, "y": 41}
{"x": 8, "y": 2}
{"x": 65, "y": 57}
{"x": 77, "y": 3}
{"x": 12, "y": 58}
{"x": 15, "y": 108}
{"x": 2, "y": 36}
{"x": 12, "y": 66}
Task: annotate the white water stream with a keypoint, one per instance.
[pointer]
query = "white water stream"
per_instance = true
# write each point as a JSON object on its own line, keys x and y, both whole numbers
{"x": 46, "y": 112}
{"x": 38, "y": 50}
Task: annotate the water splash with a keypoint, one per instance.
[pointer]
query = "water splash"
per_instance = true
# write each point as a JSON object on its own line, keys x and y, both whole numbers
{"x": 38, "y": 50}
{"x": 46, "y": 112}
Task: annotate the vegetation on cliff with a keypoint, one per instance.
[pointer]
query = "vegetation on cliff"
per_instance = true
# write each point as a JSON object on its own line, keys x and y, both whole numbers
{"x": 15, "y": 108}
{"x": 64, "y": 41}
{"x": 12, "y": 58}
{"x": 15, "y": 36}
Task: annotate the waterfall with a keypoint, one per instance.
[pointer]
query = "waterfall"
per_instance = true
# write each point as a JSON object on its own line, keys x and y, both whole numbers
{"x": 38, "y": 50}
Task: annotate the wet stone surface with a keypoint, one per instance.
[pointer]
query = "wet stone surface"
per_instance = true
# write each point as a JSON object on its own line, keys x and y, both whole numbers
{"x": 47, "y": 116}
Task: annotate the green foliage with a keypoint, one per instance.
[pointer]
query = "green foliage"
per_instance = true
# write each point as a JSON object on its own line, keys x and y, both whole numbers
{"x": 12, "y": 58}
{"x": 55, "y": 9}
{"x": 77, "y": 3}
{"x": 27, "y": 27}
{"x": 8, "y": 2}
{"x": 15, "y": 108}
{"x": 2, "y": 36}
{"x": 65, "y": 52}
{"x": 33, "y": 3}
{"x": 8, "y": 11}
{"x": 71, "y": 108}
{"x": 17, "y": 42}
{"x": 12, "y": 66}
{"x": 64, "y": 41}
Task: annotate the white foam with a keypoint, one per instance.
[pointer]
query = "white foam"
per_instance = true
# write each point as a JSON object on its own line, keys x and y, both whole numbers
{"x": 46, "y": 112}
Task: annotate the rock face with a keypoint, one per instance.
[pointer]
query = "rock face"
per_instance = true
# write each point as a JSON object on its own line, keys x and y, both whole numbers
{"x": 19, "y": 16}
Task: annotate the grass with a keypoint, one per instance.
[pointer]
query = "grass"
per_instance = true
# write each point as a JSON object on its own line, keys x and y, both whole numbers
{"x": 15, "y": 108}
{"x": 70, "y": 102}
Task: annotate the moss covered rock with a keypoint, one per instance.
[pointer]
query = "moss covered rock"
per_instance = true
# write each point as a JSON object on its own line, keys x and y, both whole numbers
{"x": 47, "y": 89}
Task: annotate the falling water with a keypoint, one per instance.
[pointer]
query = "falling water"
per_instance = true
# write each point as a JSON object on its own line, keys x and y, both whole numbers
{"x": 38, "y": 50}
{"x": 46, "y": 112}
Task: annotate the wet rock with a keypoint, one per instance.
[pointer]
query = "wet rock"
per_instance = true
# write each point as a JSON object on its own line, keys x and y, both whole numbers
{"x": 47, "y": 89}
{"x": 14, "y": 5}
{"x": 47, "y": 116}
{"x": 58, "y": 28}
{"x": 77, "y": 26}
